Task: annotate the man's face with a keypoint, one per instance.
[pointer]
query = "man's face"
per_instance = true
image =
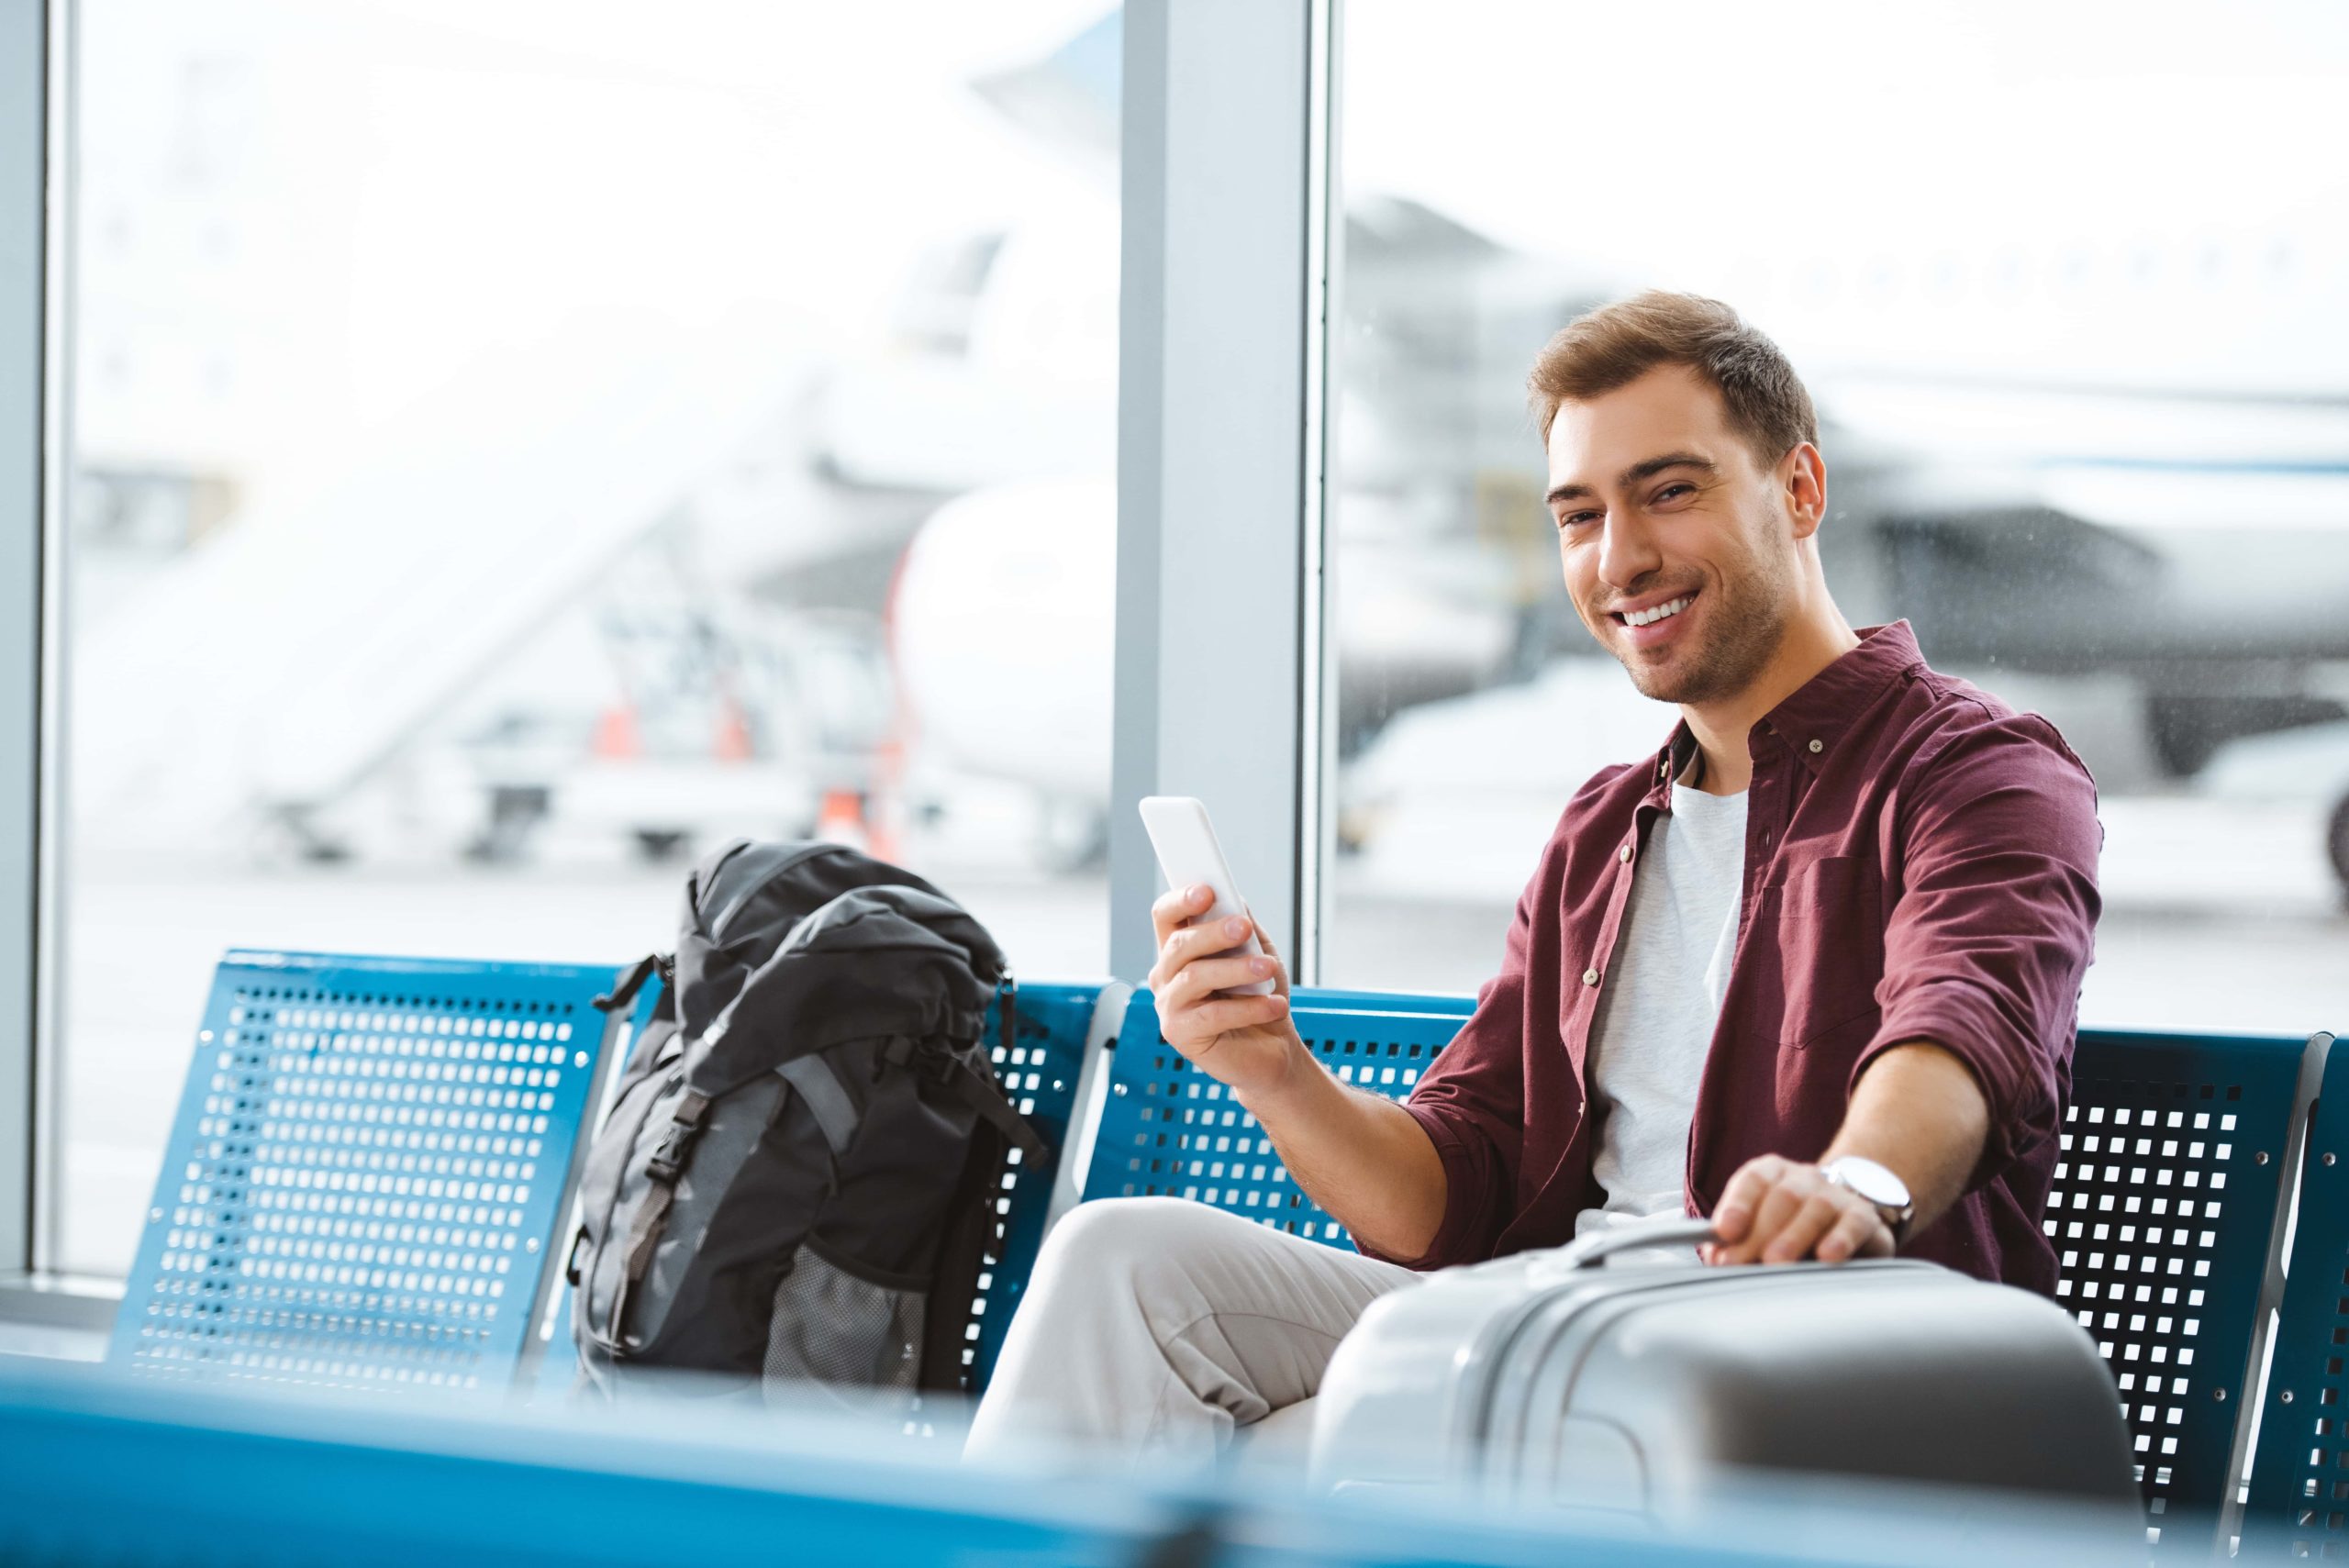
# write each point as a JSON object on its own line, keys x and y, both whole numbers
{"x": 1678, "y": 545}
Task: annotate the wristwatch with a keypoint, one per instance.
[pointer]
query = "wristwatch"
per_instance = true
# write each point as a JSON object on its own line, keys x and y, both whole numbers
{"x": 1879, "y": 1187}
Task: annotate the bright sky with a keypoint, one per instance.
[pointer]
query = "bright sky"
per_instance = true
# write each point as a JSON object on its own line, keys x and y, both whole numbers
{"x": 1644, "y": 131}
{"x": 305, "y": 219}
{"x": 329, "y": 211}
{"x": 2176, "y": 168}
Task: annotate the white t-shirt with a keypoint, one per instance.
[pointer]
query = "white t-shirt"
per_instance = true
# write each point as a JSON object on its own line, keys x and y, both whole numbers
{"x": 1663, "y": 998}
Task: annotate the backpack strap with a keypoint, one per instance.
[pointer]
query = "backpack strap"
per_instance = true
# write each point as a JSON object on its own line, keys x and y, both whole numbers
{"x": 667, "y": 1163}
{"x": 1007, "y": 1014}
{"x": 629, "y": 980}
{"x": 983, "y": 1095}
{"x": 825, "y": 1097}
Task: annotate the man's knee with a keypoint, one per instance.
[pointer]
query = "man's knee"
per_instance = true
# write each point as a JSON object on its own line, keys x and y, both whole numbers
{"x": 1126, "y": 1248}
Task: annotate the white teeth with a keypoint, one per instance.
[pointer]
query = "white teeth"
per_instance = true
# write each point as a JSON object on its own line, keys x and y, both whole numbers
{"x": 1649, "y": 618}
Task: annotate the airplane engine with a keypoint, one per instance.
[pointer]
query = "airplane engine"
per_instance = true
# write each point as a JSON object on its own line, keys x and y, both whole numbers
{"x": 1001, "y": 629}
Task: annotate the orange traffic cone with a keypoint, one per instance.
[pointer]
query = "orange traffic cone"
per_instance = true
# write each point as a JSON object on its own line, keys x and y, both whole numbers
{"x": 885, "y": 827}
{"x": 841, "y": 818}
{"x": 616, "y": 733}
{"x": 732, "y": 744}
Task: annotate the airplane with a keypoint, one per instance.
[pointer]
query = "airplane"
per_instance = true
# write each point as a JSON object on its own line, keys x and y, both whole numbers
{"x": 2082, "y": 530}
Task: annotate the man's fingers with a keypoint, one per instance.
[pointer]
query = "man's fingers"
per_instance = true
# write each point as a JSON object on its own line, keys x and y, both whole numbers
{"x": 1263, "y": 937}
{"x": 1777, "y": 1204}
{"x": 1171, "y": 909}
{"x": 1280, "y": 970}
{"x": 1210, "y": 1019}
{"x": 1853, "y": 1236}
{"x": 1733, "y": 1216}
{"x": 1200, "y": 979}
{"x": 1775, "y": 1210}
{"x": 1203, "y": 940}
{"x": 1804, "y": 1228}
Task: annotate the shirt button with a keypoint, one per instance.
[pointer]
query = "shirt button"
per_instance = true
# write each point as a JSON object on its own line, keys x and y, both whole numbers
{"x": 1624, "y": 854}
{"x": 1817, "y": 747}
{"x": 1590, "y": 977}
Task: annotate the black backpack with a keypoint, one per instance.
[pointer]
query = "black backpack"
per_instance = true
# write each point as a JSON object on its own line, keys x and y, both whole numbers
{"x": 798, "y": 1178}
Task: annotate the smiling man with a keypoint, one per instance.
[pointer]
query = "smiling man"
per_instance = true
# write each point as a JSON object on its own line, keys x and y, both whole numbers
{"x": 1811, "y": 971}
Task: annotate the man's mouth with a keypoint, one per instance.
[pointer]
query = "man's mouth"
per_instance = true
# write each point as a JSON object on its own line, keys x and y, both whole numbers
{"x": 1655, "y": 613}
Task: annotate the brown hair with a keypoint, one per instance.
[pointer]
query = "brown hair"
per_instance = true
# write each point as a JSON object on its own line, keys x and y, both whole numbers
{"x": 1616, "y": 344}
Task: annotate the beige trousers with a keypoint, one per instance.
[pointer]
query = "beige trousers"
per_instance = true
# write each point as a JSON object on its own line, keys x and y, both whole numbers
{"x": 1153, "y": 1326}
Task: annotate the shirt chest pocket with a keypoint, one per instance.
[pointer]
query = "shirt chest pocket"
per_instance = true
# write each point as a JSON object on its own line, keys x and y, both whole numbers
{"x": 1825, "y": 924}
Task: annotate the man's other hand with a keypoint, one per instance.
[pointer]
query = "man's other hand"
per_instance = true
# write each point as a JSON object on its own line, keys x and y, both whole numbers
{"x": 1781, "y": 1211}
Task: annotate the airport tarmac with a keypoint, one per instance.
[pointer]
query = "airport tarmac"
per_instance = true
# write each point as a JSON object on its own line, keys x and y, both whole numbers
{"x": 2216, "y": 920}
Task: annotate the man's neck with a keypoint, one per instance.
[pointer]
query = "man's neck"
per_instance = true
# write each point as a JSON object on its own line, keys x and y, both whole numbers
{"x": 1812, "y": 642}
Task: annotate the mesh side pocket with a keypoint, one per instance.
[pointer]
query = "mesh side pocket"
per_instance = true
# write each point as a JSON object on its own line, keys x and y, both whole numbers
{"x": 861, "y": 1340}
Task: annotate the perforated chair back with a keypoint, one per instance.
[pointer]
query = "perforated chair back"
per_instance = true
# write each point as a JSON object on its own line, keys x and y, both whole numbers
{"x": 1057, "y": 1036}
{"x": 1170, "y": 1129}
{"x": 2298, "y": 1504}
{"x": 363, "y": 1183}
{"x": 2164, "y": 1213}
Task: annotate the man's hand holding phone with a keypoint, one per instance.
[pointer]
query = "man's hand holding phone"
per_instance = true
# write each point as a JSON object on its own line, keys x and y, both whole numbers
{"x": 1222, "y": 996}
{"x": 1247, "y": 1042}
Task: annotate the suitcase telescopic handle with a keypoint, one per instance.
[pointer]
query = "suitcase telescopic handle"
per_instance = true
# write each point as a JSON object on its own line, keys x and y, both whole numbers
{"x": 1672, "y": 1231}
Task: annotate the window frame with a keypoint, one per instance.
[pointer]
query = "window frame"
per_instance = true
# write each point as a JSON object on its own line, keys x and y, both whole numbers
{"x": 35, "y": 188}
{"x": 1227, "y": 266}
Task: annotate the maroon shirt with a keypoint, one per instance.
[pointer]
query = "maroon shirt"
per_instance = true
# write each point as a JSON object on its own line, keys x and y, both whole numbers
{"x": 1919, "y": 865}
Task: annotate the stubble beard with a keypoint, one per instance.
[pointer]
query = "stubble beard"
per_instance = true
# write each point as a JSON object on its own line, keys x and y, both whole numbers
{"x": 1747, "y": 620}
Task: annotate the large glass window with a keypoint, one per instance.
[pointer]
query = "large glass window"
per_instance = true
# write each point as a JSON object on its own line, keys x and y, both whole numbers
{"x": 2071, "y": 288}
{"x": 521, "y": 443}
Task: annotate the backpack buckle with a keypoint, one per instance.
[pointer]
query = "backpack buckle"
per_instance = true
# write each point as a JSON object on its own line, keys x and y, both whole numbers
{"x": 667, "y": 1162}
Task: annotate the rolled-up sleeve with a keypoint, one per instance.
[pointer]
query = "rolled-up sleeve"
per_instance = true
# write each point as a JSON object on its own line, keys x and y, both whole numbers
{"x": 1472, "y": 1102}
{"x": 1993, "y": 925}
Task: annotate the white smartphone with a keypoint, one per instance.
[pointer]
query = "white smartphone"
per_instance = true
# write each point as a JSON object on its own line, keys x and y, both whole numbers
{"x": 1188, "y": 854}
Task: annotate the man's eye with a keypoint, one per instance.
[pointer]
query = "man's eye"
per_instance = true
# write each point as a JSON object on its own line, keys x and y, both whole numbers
{"x": 1576, "y": 519}
{"x": 1669, "y": 491}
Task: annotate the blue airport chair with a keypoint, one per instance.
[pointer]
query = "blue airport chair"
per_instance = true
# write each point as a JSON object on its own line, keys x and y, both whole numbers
{"x": 1169, "y": 1129}
{"x": 1344, "y": 1000}
{"x": 2298, "y": 1502}
{"x": 2165, "y": 1215}
{"x": 365, "y": 1181}
{"x": 375, "y": 1163}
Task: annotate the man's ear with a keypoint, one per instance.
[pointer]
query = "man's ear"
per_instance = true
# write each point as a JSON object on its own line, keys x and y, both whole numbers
{"x": 1802, "y": 473}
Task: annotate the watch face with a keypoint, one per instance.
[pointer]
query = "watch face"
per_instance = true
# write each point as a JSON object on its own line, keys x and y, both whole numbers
{"x": 1872, "y": 1182}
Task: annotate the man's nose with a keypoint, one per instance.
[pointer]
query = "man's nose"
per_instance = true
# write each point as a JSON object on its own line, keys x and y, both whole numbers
{"x": 1627, "y": 550}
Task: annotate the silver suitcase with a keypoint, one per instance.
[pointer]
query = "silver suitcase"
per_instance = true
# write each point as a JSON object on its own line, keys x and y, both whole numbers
{"x": 1652, "y": 1388}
